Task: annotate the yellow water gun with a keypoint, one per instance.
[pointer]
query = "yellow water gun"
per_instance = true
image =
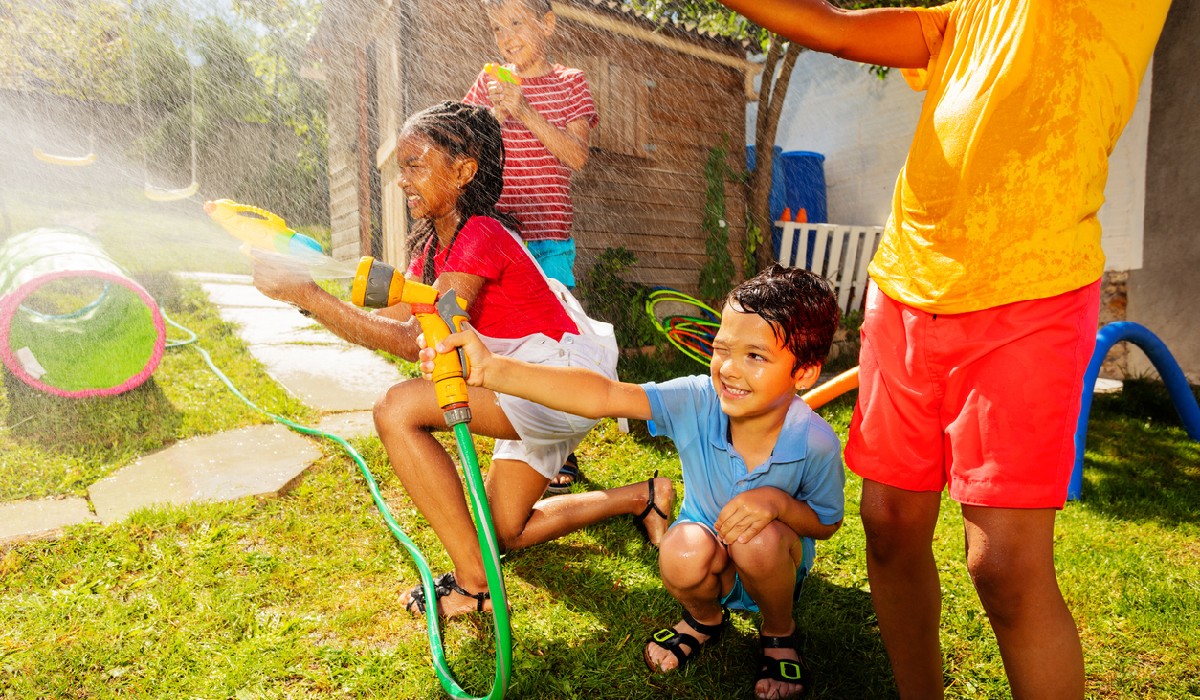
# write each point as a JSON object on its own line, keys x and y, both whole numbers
{"x": 501, "y": 73}
{"x": 259, "y": 228}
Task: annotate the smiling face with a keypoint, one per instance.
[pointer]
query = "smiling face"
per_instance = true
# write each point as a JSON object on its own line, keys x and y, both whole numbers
{"x": 430, "y": 179}
{"x": 521, "y": 35}
{"x": 752, "y": 370}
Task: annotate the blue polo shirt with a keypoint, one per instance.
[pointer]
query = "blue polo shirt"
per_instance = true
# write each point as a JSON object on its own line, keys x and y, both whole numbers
{"x": 806, "y": 462}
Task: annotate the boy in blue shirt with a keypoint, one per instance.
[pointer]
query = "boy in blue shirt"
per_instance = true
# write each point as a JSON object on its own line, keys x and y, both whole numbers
{"x": 762, "y": 473}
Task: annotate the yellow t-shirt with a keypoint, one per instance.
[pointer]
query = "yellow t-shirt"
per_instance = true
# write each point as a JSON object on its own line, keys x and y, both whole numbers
{"x": 1025, "y": 100}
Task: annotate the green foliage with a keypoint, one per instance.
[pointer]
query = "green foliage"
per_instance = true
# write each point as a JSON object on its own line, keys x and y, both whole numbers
{"x": 610, "y": 297}
{"x": 73, "y": 48}
{"x": 754, "y": 238}
{"x": 716, "y": 275}
{"x": 145, "y": 55}
{"x": 852, "y": 321}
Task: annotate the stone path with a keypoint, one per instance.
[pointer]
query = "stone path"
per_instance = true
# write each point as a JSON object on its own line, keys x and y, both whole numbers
{"x": 339, "y": 379}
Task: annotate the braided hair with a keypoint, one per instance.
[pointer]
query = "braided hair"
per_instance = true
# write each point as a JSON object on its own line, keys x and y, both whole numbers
{"x": 470, "y": 131}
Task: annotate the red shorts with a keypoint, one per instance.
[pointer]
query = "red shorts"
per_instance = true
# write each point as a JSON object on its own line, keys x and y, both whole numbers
{"x": 984, "y": 403}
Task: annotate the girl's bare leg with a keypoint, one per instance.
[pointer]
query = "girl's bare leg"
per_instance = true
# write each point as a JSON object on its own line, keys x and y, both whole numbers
{"x": 406, "y": 418}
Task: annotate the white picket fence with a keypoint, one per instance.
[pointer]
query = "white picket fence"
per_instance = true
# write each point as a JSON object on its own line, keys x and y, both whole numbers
{"x": 840, "y": 254}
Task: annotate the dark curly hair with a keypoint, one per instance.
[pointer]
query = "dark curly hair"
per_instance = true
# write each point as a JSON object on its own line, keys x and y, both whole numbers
{"x": 470, "y": 131}
{"x": 800, "y": 306}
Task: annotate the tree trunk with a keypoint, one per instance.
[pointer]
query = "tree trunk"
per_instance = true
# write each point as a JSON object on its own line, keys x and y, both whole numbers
{"x": 770, "y": 107}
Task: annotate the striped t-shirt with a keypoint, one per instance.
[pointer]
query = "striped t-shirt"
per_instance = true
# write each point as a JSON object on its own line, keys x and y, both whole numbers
{"x": 537, "y": 185}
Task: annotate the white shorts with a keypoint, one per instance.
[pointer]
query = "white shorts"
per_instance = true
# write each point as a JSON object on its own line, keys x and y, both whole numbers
{"x": 547, "y": 435}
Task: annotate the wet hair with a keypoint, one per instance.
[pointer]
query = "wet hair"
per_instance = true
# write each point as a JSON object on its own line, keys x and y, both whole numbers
{"x": 462, "y": 131}
{"x": 799, "y": 305}
{"x": 537, "y": 7}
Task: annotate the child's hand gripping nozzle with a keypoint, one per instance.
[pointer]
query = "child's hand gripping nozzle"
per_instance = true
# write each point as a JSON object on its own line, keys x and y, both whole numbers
{"x": 259, "y": 228}
{"x": 501, "y": 73}
{"x": 377, "y": 284}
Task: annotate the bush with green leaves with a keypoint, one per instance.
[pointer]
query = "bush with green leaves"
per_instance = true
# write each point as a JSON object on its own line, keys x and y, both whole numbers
{"x": 610, "y": 297}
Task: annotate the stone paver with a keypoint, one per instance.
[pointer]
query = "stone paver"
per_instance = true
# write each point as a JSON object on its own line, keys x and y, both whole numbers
{"x": 348, "y": 425}
{"x": 329, "y": 377}
{"x": 28, "y": 520}
{"x": 277, "y": 326}
{"x": 235, "y": 293}
{"x": 262, "y": 460}
{"x": 316, "y": 366}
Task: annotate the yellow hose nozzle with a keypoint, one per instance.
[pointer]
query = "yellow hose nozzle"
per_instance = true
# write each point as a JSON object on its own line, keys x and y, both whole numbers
{"x": 377, "y": 284}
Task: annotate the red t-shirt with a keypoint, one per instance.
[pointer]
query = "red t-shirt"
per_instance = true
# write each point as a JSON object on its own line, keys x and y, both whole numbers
{"x": 537, "y": 185}
{"x": 515, "y": 300}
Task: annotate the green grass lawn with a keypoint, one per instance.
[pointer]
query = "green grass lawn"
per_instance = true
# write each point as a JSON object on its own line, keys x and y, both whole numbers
{"x": 295, "y": 597}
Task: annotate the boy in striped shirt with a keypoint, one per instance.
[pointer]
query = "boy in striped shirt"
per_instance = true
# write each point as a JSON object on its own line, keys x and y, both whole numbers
{"x": 546, "y": 121}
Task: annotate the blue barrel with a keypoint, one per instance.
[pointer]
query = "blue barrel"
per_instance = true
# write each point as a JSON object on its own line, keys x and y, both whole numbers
{"x": 797, "y": 182}
{"x": 804, "y": 183}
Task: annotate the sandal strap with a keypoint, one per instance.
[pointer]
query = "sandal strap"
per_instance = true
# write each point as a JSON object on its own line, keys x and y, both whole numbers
{"x": 479, "y": 597}
{"x": 651, "y": 505}
{"x": 671, "y": 640}
{"x": 785, "y": 642}
{"x": 784, "y": 670}
{"x": 570, "y": 468}
{"x": 442, "y": 586}
{"x": 711, "y": 631}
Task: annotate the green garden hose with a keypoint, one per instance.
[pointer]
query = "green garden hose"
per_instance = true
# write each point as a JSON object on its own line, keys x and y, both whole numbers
{"x": 485, "y": 530}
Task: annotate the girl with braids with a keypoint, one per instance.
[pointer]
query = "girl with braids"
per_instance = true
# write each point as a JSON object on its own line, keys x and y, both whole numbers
{"x": 451, "y": 163}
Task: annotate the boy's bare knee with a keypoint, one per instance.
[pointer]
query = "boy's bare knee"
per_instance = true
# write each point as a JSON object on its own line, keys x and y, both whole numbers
{"x": 763, "y": 552}
{"x": 688, "y": 553}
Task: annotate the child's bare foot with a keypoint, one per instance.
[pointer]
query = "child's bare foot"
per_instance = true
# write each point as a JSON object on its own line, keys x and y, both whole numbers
{"x": 452, "y": 599}
{"x": 671, "y": 648}
{"x": 655, "y": 518}
{"x": 782, "y": 673}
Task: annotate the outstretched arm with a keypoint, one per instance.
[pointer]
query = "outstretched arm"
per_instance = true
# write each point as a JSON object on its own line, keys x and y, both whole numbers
{"x": 570, "y": 389}
{"x": 392, "y": 330}
{"x": 883, "y": 36}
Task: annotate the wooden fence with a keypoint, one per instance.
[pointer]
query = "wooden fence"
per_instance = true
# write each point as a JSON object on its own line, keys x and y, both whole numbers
{"x": 837, "y": 252}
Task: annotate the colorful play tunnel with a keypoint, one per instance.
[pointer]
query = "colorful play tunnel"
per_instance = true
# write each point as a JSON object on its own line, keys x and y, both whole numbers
{"x": 72, "y": 323}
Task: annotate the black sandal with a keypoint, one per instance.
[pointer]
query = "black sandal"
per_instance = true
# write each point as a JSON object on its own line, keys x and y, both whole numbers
{"x": 569, "y": 469}
{"x": 670, "y": 639}
{"x": 639, "y": 520}
{"x": 443, "y": 586}
{"x": 783, "y": 670}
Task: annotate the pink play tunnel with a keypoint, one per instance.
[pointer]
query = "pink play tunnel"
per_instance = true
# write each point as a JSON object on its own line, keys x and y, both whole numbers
{"x": 72, "y": 323}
